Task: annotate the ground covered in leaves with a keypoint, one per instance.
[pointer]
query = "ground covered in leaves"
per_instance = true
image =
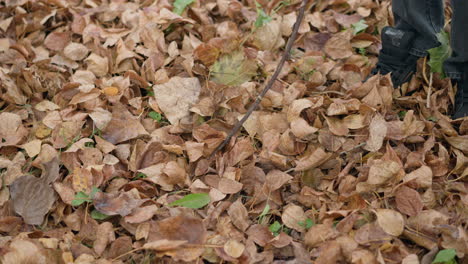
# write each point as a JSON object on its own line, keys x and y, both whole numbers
{"x": 110, "y": 110}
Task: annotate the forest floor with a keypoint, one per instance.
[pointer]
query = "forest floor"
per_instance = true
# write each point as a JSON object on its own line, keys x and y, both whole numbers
{"x": 109, "y": 112}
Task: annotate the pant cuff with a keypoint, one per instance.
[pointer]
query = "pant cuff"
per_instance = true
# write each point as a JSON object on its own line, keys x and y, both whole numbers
{"x": 418, "y": 53}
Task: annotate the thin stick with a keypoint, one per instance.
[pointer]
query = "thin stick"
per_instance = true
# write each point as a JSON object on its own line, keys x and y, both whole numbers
{"x": 270, "y": 82}
{"x": 429, "y": 92}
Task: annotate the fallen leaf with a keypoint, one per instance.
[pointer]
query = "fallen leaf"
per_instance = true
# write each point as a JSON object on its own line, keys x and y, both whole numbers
{"x": 116, "y": 204}
{"x": 390, "y": 221}
{"x": 382, "y": 171}
{"x": 377, "y": 132}
{"x": 293, "y": 216}
{"x": 233, "y": 69}
{"x": 123, "y": 126}
{"x": 315, "y": 159}
{"x": 176, "y": 96}
{"x": 33, "y": 197}
{"x": 180, "y": 228}
{"x": 408, "y": 201}
{"x": 234, "y": 248}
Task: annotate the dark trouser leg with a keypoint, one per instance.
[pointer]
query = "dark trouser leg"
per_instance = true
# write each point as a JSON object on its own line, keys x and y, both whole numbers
{"x": 424, "y": 17}
{"x": 416, "y": 24}
{"x": 457, "y": 64}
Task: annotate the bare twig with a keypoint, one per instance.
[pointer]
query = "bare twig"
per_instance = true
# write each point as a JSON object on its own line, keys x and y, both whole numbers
{"x": 270, "y": 82}
{"x": 429, "y": 92}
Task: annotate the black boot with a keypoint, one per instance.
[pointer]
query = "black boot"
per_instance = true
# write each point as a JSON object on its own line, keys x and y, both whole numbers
{"x": 461, "y": 99}
{"x": 395, "y": 57}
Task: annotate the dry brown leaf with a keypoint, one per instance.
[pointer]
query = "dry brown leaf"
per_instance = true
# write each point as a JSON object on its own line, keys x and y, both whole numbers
{"x": 239, "y": 215}
{"x": 390, "y": 221}
{"x": 228, "y": 186}
{"x": 293, "y": 216}
{"x": 234, "y": 248}
{"x": 317, "y": 234}
{"x": 339, "y": 46}
{"x": 408, "y": 201}
{"x": 176, "y": 96}
{"x": 275, "y": 179}
{"x": 26, "y": 251}
{"x": 315, "y": 159}
{"x": 33, "y": 197}
{"x": 164, "y": 244}
{"x": 141, "y": 214}
{"x": 123, "y": 126}
{"x": 104, "y": 236}
{"x": 57, "y": 41}
{"x": 116, "y": 204}
{"x": 382, "y": 171}
{"x": 422, "y": 177}
{"x": 181, "y": 228}
{"x": 377, "y": 132}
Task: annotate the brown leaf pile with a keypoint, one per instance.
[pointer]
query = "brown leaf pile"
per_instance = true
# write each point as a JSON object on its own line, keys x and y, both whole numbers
{"x": 110, "y": 110}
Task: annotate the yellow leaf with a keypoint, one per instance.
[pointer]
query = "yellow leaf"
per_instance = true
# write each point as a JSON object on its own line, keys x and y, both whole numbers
{"x": 110, "y": 91}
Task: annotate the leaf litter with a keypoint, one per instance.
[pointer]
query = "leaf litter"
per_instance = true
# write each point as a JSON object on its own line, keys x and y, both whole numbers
{"x": 110, "y": 110}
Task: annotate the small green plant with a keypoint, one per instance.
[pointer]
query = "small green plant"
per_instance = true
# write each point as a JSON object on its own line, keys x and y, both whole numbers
{"x": 140, "y": 175}
{"x": 193, "y": 200}
{"x": 82, "y": 197}
{"x": 275, "y": 228}
{"x": 95, "y": 214}
{"x": 262, "y": 17}
{"x": 362, "y": 51}
{"x": 446, "y": 256}
{"x": 155, "y": 116}
{"x": 89, "y": 144}
{"x": 402, "y": 114}
{"x": 180, "y": 5}
{"x": 359, "y": 27}
{"x": 308, "y": 223}
{"x": 264, "y": 213}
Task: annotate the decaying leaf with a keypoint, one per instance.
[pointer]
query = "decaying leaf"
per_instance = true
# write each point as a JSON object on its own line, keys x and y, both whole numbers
{"x": 233, "y": 69}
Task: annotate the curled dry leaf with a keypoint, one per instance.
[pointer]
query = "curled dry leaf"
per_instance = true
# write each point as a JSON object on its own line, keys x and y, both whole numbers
{"x": 315, "y": 159}
{"x": 422, "y": 177}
